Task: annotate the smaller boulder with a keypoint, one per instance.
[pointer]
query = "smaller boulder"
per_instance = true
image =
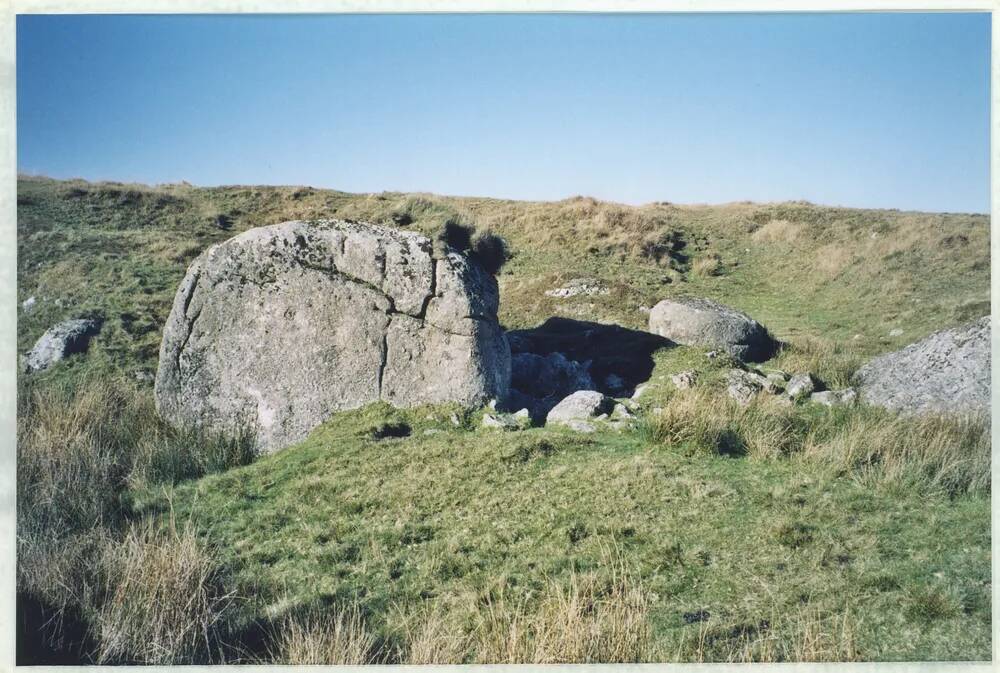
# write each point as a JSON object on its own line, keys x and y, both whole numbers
{"x": 800, "y": 386}
{"x": 835, "y": 398}
{"x": 744, "y": 386}
{"x": 580, "y": 406}
{"x": 684, "y": 380}
{"x": 28, "y": 304}
{"x": 66, "y": 338}
{"x": 702, "y": 322}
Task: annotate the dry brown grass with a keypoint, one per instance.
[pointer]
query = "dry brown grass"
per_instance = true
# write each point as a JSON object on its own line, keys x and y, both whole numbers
{"x": 710, "y": 421}
{"x": 777, "y": 231}
{"x": 708, "y": 265}
{"x": 589, "y": 620}
{"x": 832, "y": 362}
{"x": 79, "y": 448}
{"x": 805, "y": 634}
{"x": 938, "y": 452}
{"x": 433, "y": 636}
{"x": 947, "y": 452}
{"x": 339, "y": 638}
{"x": 162, "y": 598}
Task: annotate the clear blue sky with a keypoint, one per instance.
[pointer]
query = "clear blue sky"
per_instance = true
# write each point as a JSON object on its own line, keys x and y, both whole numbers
{"x": 875, "y": 110}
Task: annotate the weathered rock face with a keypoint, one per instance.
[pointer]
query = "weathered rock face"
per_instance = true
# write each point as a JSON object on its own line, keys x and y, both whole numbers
{"x": 702, "y": 322}
{"x": 949, "y": 371}
{"x": 66, "y": 338}
{"x": 281, "y": 326}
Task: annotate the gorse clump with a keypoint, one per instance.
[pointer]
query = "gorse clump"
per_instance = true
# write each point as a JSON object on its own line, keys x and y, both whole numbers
{"x": 482, "y": 245}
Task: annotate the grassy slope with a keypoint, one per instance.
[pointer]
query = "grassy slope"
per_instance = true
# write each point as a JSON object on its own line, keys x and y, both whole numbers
{"x": 393, "y": 525}
{"x": 442, "y": 518}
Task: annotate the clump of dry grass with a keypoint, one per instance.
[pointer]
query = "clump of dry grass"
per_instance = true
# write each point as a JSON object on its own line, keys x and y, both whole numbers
{"x": 162, "y": 598}
{"x": 79, "y": 448}
{"x": 832, "y": 362}
{"x": 777, "y": 231}
{"x": 339, "y": 638}
{"x": 700, "y": 418}
{"x": 707, "y": 420}
{"x": 708, "y": 265}
{"x": 589, "y": 620}
{"x": 433, "y": 637}
{"x": 947, "y": 452}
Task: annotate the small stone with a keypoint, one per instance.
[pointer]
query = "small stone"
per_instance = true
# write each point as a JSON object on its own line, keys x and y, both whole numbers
{"x": 684, "y": 380}
{"x": 834, "y": 398}
{"x": 744, "y": 386}
{"x": 621, "y": 411}
{"x": 28, "y": 304}
{"x": 455, "y": 420}
{"x": 895, "y": 332}
{"x": 711, "y": 355}
{"x": 801, "y": 385}
{"x": 522, "y": 418}
{"x": 639, "y": 391}
{"x": 583, "y": 404}
{"x": 431, "y": 431}
{"x": 578, "y": 286}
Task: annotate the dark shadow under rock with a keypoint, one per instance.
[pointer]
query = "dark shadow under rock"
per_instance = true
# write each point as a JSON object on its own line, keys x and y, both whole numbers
{"x": 617, "y": 359}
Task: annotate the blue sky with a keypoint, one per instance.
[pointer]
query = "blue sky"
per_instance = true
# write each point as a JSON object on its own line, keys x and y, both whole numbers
{"x": 872, "y": 110}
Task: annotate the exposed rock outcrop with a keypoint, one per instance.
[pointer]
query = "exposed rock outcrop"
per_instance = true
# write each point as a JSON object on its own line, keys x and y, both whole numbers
{"x": 281, "y": 326}
{"x": 949, "y": 371}
{"x": 702, "y": 322}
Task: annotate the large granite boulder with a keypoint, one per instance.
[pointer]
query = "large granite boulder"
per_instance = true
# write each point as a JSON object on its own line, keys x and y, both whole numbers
{"x": 66, "y": 338}
{"x": 702, "y": 322}
{"x": 279, "y": 327}
{"x": 949, "y": 371}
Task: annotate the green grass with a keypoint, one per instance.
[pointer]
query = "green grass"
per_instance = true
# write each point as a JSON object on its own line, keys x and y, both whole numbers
{"x": 710, "y": 532}
{"x": 387, "y": 525}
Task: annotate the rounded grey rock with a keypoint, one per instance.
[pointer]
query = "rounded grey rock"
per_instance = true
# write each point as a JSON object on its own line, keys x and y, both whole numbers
{"x": 278, "y": 328}
{"x": 582, "y": 405}
{"x": 702, "y": 322}
{"x": 65, "y": 338}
